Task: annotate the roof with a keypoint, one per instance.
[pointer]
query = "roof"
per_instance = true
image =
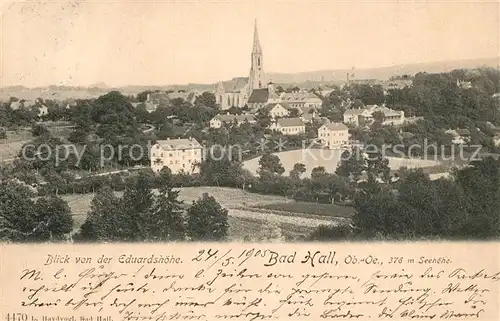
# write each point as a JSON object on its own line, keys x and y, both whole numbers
{"x": 289, "y": 122}
{"x": 259, "y": 96}
{"x": 235, "y": 85}
{"x": 272, "y": 105}
{"x": 299, "y": 96}
{"x": 463, "y": 132}
{"x": 354, "y": 112}
{"x": 177, "y": 144}
{"x": 387, "y": 111}
{"x": 231, "y": 118}
{"x": 336, "y": 126}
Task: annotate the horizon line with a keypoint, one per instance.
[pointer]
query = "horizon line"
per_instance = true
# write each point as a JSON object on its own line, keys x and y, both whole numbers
{"x": 271, "y": 72}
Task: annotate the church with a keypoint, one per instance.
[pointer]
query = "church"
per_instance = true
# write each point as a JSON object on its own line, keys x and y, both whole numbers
{"x": 242, "y": 90}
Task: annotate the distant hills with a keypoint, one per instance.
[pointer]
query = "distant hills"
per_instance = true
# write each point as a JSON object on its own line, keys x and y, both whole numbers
{"x": 382, "y": 73}
{"x": 302, "y": 79}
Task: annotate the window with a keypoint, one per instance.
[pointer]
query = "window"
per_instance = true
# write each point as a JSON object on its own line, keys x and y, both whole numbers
{"x": 161, "y": 155}
{"x": 171, "y": 162}
{"x": 170, "y": 154}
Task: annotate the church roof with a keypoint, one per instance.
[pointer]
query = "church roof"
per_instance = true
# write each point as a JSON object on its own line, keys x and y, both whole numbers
{"x": 260, "y": 95}
{"x": 235, "y": 85}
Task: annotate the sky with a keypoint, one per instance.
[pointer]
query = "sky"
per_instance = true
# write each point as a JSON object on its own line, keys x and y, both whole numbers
{"x": 120, "y": 43}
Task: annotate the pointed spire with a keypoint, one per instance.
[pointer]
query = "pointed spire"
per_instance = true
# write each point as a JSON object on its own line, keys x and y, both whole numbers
{"x": 256, "y": 43}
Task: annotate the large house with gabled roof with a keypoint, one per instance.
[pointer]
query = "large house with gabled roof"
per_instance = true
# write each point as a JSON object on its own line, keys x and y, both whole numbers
{"x": 179, "y": 155}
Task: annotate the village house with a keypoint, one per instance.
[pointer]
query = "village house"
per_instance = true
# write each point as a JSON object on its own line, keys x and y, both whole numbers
{"x": 179, "y": 155}
{"x": 277, "y": 110}
{"x": 352, "y": 116}
{"x": 459, "y": 136}
{"x": 365, "y": 115}
{"x": 333, "y": 135}
{"x": 42, "y": 110}
{"x": 289, "y": 126}
{"x": 301, "y": 99}
{"x": 150, "y": 107}
{"x": 228, "y": 119}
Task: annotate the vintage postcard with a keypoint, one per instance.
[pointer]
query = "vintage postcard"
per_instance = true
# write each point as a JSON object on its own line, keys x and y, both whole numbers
{"x": 249, "y": 160}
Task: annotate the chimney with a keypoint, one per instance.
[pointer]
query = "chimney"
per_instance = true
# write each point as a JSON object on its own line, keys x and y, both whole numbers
{"x": 168, "y": 138}
{"x": 190, "y": 138}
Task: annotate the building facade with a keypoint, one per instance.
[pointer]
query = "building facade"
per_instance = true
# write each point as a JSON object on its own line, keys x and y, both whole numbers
{"x": 278, "y": 110}
{"x": 357, "y": 117}
{"x": 179, "y": 155}
{"x": 220, "y": 120}
{"x": 333, "y": 135}
{"x": 289, "y": 126}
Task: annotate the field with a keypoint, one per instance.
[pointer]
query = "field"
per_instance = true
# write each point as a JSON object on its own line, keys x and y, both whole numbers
{"x": 329, "y": 159}
{"x": 248, "y": 215}
{"x": 305, "y": 208}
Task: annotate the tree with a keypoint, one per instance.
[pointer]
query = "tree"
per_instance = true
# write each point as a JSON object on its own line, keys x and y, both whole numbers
{"x": 21, "y": 220}
{"x": 294, "y": 112}
{"x": 263, "y": 117}
{"x": 378, "y": 116}
{"x": 352, "y": 164}
{"x": 206, "y": 99}
{"x": 207, "y": 220}
{"x": 103, "y": 222}
{"x": 138, "y": 200}
{"x": 270, "y": 165}
{"x": 167, "y": 216}
{"x": 39, "y": 130}
{"x": 57, "y": 213}
{"x": 297, "y": 171}
{"x": 143, "y": 96}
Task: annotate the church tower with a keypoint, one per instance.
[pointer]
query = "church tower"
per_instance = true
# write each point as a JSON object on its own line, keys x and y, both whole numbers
{"x": 256, "y": 79}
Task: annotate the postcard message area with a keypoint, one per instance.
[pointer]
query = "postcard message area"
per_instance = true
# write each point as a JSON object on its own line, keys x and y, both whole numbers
{"x": 443, "y": 281}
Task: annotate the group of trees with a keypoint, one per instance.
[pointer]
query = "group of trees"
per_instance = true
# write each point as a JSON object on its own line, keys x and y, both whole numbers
{"x": 438, "y": 98}
{"x": 142, "y": 214}
{"x": 23, "y": 219}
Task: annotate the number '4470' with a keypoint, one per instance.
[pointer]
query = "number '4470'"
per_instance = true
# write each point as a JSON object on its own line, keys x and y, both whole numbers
{"x": 17, "y": 317}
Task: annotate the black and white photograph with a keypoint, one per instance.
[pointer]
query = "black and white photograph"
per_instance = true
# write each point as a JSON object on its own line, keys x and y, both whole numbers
{"x": 249, "y": 121}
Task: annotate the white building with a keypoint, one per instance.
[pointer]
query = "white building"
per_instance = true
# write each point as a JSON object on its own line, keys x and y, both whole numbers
{"x": 352, "y": 116}
{"x": 301, "y": 100}
{"x": 179, "y": 155}
{"x": 365, "y": 115}
{"x": 334, "y": 135}
{"x": 289, "y": 126}
{"x": 219, "y": 120}
{"x": 277, "y": 110}
{"x": 42, "y": 111}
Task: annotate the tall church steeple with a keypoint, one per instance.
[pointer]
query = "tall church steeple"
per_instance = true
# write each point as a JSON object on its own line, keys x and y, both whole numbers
{"x": 256, "y": 42}
{"x": 256, "y": 77}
